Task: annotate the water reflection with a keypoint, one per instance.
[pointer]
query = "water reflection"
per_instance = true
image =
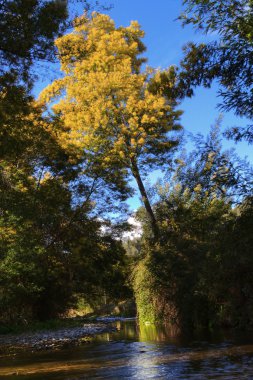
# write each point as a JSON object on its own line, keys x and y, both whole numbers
{"x": 156, "y": 333}
{"x": 144, "y": 352}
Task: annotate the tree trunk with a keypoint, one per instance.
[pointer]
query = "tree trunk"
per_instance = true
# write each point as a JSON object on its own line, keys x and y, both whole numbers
{"x": 144, "y": 197}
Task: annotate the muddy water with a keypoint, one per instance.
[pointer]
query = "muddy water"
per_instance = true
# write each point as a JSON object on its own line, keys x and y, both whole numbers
{"x": 145, "y": 353}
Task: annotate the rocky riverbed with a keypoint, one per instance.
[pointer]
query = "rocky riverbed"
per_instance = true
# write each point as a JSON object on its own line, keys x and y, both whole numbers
{"x": 52, "y": 339}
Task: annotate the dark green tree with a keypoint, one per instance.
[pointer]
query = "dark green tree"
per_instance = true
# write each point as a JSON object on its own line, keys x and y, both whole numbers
{"x": 213, "y": 171}
{"x": 181, "y": 279}
{"x": 45, "y": 209}
{"x": 228, "y": 59}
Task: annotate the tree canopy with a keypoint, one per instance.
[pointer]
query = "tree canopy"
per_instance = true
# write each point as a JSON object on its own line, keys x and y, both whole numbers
{"x": 49, "y": 242}
{"x": 110, "y": 114}
{"x": 199, "y": 274}
{"x": 68, "y": 158}
{"x": 229, "y": 58}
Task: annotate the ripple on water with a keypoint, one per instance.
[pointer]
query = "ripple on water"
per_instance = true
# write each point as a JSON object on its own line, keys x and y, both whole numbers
{"x": 126, "y": 354}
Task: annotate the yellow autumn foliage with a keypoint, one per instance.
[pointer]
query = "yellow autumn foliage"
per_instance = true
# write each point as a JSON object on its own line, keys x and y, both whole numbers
{"x": 104, "y": 103}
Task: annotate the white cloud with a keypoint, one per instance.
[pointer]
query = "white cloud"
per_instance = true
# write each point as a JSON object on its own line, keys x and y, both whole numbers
{"x": 136, "y": 229}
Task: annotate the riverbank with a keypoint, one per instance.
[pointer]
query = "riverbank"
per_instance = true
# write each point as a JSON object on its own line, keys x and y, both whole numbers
{"x": 53, "y": 339}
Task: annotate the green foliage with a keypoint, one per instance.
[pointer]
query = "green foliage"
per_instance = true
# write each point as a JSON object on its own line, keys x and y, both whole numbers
{"x": 210, "y": 171}
{"x": 51, "y": 244}
{"x": 198, "y": 275}
{"x": 177, "y": 266}
{"x": 28, "y": 29}
{"x": 132, "y": 246}
{"x": 144, "y": 290}
{"x": 44, "y": 267}
{"x": 234, "y": 280}
{"x": 58, "y": 172}
{"x": 228, "y": 59}
{"x": 100, "y": 268}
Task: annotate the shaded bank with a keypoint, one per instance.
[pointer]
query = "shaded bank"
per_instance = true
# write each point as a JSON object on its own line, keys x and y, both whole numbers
{"x": 52, "y": 339}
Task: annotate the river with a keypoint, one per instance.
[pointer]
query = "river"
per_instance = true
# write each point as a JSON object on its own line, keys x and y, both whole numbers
{"x": 147, "y": 352}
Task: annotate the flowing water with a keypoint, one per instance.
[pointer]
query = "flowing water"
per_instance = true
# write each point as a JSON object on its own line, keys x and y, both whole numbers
{"x": 139, "y": 353}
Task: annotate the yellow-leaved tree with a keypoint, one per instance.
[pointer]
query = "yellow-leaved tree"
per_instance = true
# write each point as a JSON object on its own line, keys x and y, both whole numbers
{"x": 114, "y": 114}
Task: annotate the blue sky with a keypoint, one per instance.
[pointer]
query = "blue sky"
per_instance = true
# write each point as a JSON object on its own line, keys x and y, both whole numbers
{"x": 164, "y": 38}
